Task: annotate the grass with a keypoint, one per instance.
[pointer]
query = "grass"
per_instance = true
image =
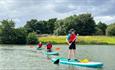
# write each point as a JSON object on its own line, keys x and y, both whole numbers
{"x": 81, "y": 39}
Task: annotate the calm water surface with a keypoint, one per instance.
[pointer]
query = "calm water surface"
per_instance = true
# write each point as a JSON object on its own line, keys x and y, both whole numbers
{"x": 21, "y": 57}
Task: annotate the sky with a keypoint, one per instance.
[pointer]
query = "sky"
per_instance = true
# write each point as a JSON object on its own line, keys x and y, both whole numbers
{"x": 22, "y": 11}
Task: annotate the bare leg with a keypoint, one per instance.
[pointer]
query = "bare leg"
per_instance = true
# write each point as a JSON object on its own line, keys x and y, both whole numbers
{"x": 69, "y": 54}
{"x": 74, "y": 52}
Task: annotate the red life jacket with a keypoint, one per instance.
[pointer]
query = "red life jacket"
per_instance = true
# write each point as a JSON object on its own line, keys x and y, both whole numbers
{"x": 40, "y": 45}
{"x": 49, "y": 46}
{"x": 72, "y": 38}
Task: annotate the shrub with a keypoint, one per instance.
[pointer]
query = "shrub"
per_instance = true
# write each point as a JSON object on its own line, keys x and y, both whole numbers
{"x": 110, "y": 31}
{"x": 32, "y": 38}
{"x": 102, "y": 27}
{"x": 20, "y": 36}
{"x": 98, "y": 31}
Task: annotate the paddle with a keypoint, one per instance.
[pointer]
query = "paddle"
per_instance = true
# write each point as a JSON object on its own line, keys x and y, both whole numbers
{"x": 57, "y": 49}
{"x": 31, "y": 46}
{"x": 57, "y": 61}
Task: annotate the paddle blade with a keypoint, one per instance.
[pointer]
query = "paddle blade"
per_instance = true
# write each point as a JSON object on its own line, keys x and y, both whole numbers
{"x": 57, "y": 61}
{"x": 31, "y": 46}
{"x": 57, "y": 49}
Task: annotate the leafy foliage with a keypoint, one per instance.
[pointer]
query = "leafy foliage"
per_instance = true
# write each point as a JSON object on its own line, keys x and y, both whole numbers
{"x": 20, "y": 36}
{"x": 41, "y": 26}
{"x": 102, "y": 27}
{"x": 98, "y": 31}
{"x": 10, "y": 35}
{"x": 32, "y": 38}
{"x": 7, "y": 34}
{"x": 111, "y": 30}
{"x": 83, "y": 24}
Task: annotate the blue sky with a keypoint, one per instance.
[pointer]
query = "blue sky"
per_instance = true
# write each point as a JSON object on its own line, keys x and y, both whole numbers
{"x": 22, "y": 10}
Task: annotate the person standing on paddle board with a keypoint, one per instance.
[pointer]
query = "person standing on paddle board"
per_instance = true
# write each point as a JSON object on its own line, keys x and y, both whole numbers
{"x": 71, "y": 40}
{"x": 39, "y": 44}
{"x": 49, "y": 47}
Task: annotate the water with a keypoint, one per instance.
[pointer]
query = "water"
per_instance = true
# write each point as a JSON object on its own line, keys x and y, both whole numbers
{"x": 22, "y": 57}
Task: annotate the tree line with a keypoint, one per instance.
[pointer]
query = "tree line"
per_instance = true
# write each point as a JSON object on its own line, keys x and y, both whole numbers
{"x": 84, "y": 24}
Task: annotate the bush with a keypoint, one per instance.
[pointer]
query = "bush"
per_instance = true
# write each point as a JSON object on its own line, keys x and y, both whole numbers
{"x": 98, "y": 31}
{"x": 32, "y": 38}
{"x": 102, "y": 27}
{"x": 110, "y": 31}
{"x": 20, "y": 36}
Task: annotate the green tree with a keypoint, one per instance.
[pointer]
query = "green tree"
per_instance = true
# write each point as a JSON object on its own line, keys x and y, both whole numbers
{"x": 20, "y": 36}
{"x": 98, "y": 31}
{"x": 50, "y": 25}
{"x": 103, "y": 27}
{"x": 32, "y": 38}
{"x": 41, "y": 26}
{"x": 83, "y": 24}
{"x": 31, "y": 25}
{"x": 110, "y": 31}
{"x": 60, "y": 28}
{"x": 7, "y": 35}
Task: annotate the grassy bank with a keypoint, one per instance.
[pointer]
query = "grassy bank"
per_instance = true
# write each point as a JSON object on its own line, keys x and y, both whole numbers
{"x": 81, "y": 39}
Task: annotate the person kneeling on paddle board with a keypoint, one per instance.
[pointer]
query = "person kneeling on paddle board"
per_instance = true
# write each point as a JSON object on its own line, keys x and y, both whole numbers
{"x": 49, "y": 47}
{"x": 71, "y": 40}
{"x": 39, "y": 44}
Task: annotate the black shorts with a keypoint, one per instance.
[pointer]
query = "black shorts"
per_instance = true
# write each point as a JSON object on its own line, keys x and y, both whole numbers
{"x": 72, "y": 46}
{"x": 49, "y": 50}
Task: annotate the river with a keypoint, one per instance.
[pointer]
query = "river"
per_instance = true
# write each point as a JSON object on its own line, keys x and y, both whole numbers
{"x": 24, "y": 57}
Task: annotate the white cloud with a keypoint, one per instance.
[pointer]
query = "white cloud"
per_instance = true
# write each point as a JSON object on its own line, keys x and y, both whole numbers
{"x": 71, "y": 6}
{"x": 49, "y": 6}
{"x": 21, "y": 11}
{"x": 105, "y": 19}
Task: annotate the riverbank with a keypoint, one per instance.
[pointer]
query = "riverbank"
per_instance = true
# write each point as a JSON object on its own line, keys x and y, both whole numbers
{"x": 81, "y": 40}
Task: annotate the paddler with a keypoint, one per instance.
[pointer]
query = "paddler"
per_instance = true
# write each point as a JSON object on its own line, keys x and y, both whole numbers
{"x": 71, "y": 40}
{"x": 49, "y": 46}
{"x": 39, "y": 44}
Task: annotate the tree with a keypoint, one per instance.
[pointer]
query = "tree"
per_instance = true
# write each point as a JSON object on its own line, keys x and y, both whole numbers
{"x": 60, "y": 28}
{"x": 7, "y": 35}
{"x": 83, "y": 24}
{"x": 50, "y": 25}
{"x": 98, "y": 31}
{"x": 102, "y": 26}
{"x": 41, "y": 26}
{"x": 31, "y": 25}
{"x": 32, "y": 38}
{"x": 110, "y": 31}
{"x": 10, "y": 35}
{"x": 20, "y": 36}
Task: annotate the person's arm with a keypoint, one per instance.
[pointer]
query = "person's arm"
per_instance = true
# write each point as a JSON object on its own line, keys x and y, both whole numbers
{"x": 67, "y": 42}
{"x": 67, "y": 39}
